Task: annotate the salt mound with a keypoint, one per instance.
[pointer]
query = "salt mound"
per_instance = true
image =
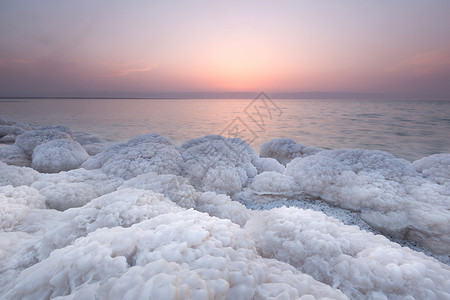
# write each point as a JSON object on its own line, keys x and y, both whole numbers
{"x": 144, "y": 154}
{"x": 267, "y": 164}
{"x": 61, "y": 190}
{"x": 16, "y": 203}
{"x": 176, "y": 188}
{"x": 13, "y": 155}
{"x": 10, "y": 129}
{"x": 148, "y": 219}
{"x": 91, "y": 143}
{"x": 17, "y": 176}
{"x": 58, "y": 155}
{"x": 31, "y": 139}
{"x": 59, "y": 229}
{"x": 390, "y": 194}
{"x": 285, "y": 150}
{"x": 435, "y": 167}
{"x": 214, "y": 163}
{"x": 360, "y": 264}
{"x": 74, "y": 188}
{"x": 180, "y": 253}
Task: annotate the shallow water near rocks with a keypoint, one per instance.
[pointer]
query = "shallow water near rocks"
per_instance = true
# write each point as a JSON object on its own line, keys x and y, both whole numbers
{"x": 406, "y": 129}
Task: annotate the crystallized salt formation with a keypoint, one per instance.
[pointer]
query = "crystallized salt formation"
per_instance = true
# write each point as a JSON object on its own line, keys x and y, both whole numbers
{"x": 391, "y": 195}
{"x": 178, "y": 254}
{"x": 13, "y": 155}
{"x": 148, "y": 219}
{"x": 214, "y": 163}
{"x": 285, "y": 150}
{"x": 144, "y": 154}
{"x": 361, "y": 264}
{"x": 58, "y": 155}
{"x": 10, "y": 129}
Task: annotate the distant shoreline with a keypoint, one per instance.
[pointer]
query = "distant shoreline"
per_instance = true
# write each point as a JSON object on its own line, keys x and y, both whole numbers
{"x": 227, "y": 98}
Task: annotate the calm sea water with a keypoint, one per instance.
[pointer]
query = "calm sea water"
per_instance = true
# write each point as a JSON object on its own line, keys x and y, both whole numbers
{"x": 407, "y": 129}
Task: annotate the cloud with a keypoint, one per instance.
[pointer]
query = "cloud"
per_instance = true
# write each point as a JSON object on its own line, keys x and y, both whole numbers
{"x": 5, "y": 62}
{"x": 425, "y": 63}
{"x": 120, "y": 70}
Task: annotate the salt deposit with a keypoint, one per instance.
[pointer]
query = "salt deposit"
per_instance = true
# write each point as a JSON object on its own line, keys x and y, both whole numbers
{"x": 148, "y": 219}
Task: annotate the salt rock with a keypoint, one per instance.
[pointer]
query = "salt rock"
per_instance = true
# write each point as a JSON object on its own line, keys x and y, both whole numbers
{"x": 13, "y": 155}
{"x": 178, "y": 253}
{"x": 176, "y": 188}
{"x": 362, "y": 265}
{"x": 144, "y": 154}
{"x": 91, "y": 143}
{"x": 16, "y": 203}
{"x": 74, "y": 188}
{"x": 214, "y": 163}
{"x": 267, "y": 164}
{"x": 285, "y": 150}
{"x": 31, "y": 139}
{"x": 58, "y": 155}
{"x": 435, "y": 167}
{"x": 17, "y": 176}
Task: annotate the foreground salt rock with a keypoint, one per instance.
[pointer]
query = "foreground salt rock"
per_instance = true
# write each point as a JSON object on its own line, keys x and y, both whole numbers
{"x": 16, "y": 203}
{"x": 435, "y": 167}
{"x": 54, "y": 230}
{"x": 29, "y": 140}
{"x": 214, "y": 163}
{"x": 360, "y": 264}
{"x": 147, "y": 153}
{"x": 147, "y": 218}
{"x": 58, "y": 155}
{"x": 179, "y": 254}
{"x": 285, "y": 150}
{"x": 174, "y": 250}
{"x": 389, "y": 193}
{"x": 13, "y": 155}
{"x": 176, "y": 188}
{"x": 10, "y": 129}
{"x": 91, "y": 143}
{"x": 62, "y": 190}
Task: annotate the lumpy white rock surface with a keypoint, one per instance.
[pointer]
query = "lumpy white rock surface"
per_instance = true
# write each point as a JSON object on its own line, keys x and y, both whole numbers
{"x": 58, "y": 155}
{"x": 148, "y": 219}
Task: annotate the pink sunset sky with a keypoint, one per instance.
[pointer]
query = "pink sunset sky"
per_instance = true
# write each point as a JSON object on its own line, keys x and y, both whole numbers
{"x": 67, "y": 48}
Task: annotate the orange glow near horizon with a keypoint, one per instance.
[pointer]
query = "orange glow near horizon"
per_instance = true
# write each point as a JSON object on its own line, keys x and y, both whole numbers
{"x": 220, "y": 47}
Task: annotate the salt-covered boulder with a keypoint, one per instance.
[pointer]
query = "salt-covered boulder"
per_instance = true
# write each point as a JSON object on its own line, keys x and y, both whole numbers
{"x": 62, "y": 128}
{"x": 91, "y": 143}
{"x": 10, "y": 129}
{"x": 435, "y": 167}
{"x": 74, "y": 188}
{"x": 389, "y": 193}
{"x": 13, "y": 155}
{"x": 178, "y": 253}
{"x": 285, "y": 150}
{"x": 7, "y": 121}
{"x": 58, "y": 155}
{"x": 8, "y": 139}
{"x": 16, "y": 203}
{"x": 17, "y": 176}
{"x": 31, "y": 139}
{"x": 221, "y": 206}
{"x": 144, "y": 154}
{"x": 362, "y": 265}
{"x": 274, "y": 183}
{"x": 214, "y": 163}
{"x": 58, "y": 230}
{"x": 267, "y": 164}
{"x": 176, "y": 188}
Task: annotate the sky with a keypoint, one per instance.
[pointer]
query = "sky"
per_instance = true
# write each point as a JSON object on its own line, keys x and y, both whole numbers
{"x": 106, "y": 48}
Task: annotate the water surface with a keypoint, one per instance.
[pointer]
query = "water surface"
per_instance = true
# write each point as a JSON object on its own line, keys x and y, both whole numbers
{"x": 407, "y": 129}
